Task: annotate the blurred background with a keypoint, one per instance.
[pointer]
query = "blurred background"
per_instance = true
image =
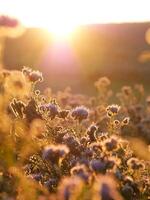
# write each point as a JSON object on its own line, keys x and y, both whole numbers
{"x": 75, "y": 43}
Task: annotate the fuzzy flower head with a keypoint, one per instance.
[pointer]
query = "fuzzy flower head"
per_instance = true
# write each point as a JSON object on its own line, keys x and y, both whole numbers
{"x": 80, "y": 113}
{"x": 15, "y": 85}
{"x": 112, "y": 110}
{"x": 33, "y": 76}
{"x": 81, "y": 171}
{"x": 111, "y": 144}
{"x": 70, "y": 188}
{"x": 52, "y": 109}
{"x": 126, "y": 90}
{"x": 91, "y": 132}
{"x": 135, "y": 164}
{"x": 102, "y": 83}
{"x": 98, "y": 166}
{"x": 54, "y": 153}
{"x": 105, "y": 188}
{"x": 10, "y": 27}
{"x": 6, "y": 21}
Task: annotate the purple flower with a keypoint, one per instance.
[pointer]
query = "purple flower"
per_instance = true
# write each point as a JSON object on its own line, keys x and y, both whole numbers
{"x": 105, "y": 188}
{"x": 33, "y": 76}
{"x": 91, "y": 132}
{"x": 70, "y": 188}
{"x": 111, "y": 144}
{"x": 6, "y": 21}
{"x": 112, "y": 110}
{"x": 98, "y": 166}
{"x": 80, "y": 113}
{"x": 81, "y": 171}
{"x": 135, "y": 164}
{"x": 51, "y": 108}
{"x": 54, "y": 153}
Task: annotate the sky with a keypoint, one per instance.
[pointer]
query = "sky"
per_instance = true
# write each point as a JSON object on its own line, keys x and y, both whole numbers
{"x": 43, "y": 13}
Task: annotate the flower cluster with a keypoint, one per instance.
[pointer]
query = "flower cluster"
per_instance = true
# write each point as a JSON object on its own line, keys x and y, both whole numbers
{"x": 46, "y": 154}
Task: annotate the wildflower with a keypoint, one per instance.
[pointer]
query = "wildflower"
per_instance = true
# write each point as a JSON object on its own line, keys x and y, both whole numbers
{"x": 81, "y": 171}
{"x": 102, "y": 82}
{"x": 51, "y": 108}
{"x": 127, "y": 192}
{"x": 6, "y": 21}
{"x": 84, "y": 140}
{"x": 105, "y": 188}
{"x": 54, "y": 153}
{"x": 91, "y": 132}
{"x": 33, "y": 76}
{"x": 73, "y": 144}
{"x": 51, "y": 184}
{"x": 128, "y": 179}
{"x": 126, "y": 90}
{"x": 88, "y": 152}
{"x": 98, "y": 166}
{"x": 96, "y": 147}
{"x": 80, "y": 113}
{"x": 15, "y": 85}
{"x": 126, "y": 121}
{"x": 26, "y": 71}
{"x": 70, "y": 188}
{"x": 111, "y": 144}
{"x": 118, "y": 175}
{"x": 135, "y": 164}
{"x": 36, "y": 177}
{"x": 31, "y": 111}
{"x": 112, "y": 110}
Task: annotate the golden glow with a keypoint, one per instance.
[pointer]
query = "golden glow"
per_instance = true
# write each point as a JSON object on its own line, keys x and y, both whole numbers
{"x": 61, "y": 17}
{"x": 61, "y": 30}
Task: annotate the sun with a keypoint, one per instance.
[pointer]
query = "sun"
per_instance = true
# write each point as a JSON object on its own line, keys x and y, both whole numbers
{"x": 61, "y": 30}
{"x": 61, "y": 21}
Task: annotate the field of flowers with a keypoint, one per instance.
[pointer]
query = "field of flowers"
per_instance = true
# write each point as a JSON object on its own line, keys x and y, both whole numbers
{"x": 65, "y": 146}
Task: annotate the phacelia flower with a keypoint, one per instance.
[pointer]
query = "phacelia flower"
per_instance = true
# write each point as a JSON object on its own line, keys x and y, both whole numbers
{"x": 81, "y": 171}
{"x": 111, "y": 144}
{"x": 80, "y": 113}
{"x": 54, "y": 153}
{"x": 6, "y": 21}
{"x": 127, "y": 192}
{"x": 70, "y": 188}
{"x": 51, "y": 184}
{"x": 33, "y": 76}
{"x": 105, "y": 188}
{"x": 126, "y": 90}
{"x": 135, "y": 164}
{"x": 91, "y": 132}
{"x": 51, "y": 108}
{"x": 98, "y": 166}
{"x": 112, "y": 110}
{"x": 102, "y": 82}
